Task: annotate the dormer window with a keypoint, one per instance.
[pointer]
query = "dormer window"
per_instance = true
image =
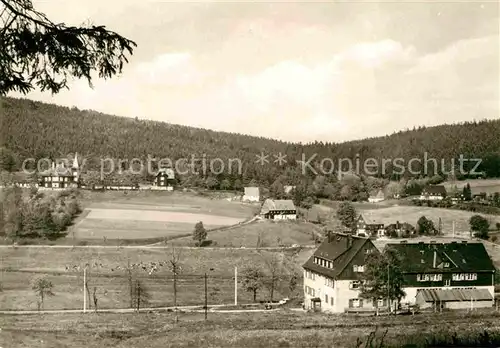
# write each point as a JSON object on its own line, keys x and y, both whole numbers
{"x": 446, "y": 265}
{"x": 358, "y": 268}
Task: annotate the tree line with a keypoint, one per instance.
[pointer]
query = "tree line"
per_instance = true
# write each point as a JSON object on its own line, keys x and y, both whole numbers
{"x": 37, "y": 130}
{"x": 35, "y": 215}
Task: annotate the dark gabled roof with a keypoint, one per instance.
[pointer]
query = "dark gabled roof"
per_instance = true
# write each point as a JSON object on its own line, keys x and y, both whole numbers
{"x": 462, "y": 257}
{"x": 435, "y": 189}
{"x": 336, "y": 251}
{"x": 168, "y": 172}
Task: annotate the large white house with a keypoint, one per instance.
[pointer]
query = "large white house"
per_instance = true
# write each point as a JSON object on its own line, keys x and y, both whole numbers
{"x": 333, "y": 274}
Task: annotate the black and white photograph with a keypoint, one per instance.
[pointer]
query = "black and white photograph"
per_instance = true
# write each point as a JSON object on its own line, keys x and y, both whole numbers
{"x": 317, "y": 174}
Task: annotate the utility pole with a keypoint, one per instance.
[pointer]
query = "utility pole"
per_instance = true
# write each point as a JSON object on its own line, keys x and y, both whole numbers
{"x": 235, "y": 286}
{"x": 84, "y": 293}
{"x": 388, "y": 288}
{"x": 206, "y": 297}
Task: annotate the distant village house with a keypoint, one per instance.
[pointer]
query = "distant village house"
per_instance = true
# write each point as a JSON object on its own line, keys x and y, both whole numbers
{"x": 367, "y": 227}
{"x": 252, "y": 194}
{"x": 379, "y": 197}
{"x": 164, "y": 179}
{"x": 278, "y": 209}
{"x": 433, "y": 193}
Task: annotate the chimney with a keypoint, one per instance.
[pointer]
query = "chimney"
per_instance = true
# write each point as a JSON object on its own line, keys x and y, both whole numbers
{"x": 329, "y": 235}
{"x": 435, "y": 259}
{"x": 349, "y": 241}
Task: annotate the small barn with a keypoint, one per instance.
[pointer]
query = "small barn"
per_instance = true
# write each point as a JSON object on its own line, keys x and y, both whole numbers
{"x": 463, "y": 298}
{"x": 252, "y": 194}
{"x": 279, "y": 209}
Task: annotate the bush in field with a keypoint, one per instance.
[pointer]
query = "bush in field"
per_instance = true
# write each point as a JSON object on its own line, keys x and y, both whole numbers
{"x": 42, "y": 288}
{"x": 200, "y": 233}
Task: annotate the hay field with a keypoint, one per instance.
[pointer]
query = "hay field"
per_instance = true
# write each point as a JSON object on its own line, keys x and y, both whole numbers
{"x": 142, "y": 215}
{"x": 411, "y": 214}
{"x": 20, "y": 265}
{"x": 477, "y": 186}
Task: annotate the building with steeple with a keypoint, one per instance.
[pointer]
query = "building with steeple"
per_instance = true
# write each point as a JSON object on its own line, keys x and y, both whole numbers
{"x": 61, "y": 177}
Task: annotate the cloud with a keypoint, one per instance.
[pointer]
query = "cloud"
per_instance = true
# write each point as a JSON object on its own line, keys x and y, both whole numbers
{"x": 170, "y": 69}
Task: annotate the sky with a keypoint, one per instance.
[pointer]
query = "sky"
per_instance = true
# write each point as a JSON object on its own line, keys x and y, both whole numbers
{"x": 294, "y": 71}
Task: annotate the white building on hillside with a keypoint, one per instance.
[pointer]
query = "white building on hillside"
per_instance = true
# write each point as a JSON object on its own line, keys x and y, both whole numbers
{"x": 252, "y": 194}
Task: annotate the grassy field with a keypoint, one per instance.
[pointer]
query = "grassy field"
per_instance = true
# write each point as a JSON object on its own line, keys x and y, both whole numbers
{"x": 270, "y": 234}
{"x": 477, "y": 186}
{"x": 107, "y": 273}
{"x": 411, "y": 214}
{"x": 141, "y": 215}
{"x": 271, "y": 329}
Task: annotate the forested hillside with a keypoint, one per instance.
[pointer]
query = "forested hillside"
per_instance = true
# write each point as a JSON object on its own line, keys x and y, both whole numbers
{"x": 32, "y": 129}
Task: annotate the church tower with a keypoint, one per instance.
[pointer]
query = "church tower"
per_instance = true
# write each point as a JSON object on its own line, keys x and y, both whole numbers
{"x": 75, "y": 169}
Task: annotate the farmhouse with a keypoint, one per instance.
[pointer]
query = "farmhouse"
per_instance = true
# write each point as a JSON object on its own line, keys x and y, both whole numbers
{"x": 446, "y": 275}
{"x": 164, "y": 179}
{"x": 433, "y": 193}
{"x": 379, "y": 197}
{"x": 60, "y": 177}
{"x": 400, "y": 230}
{"x": 366, "y": 227}
{"x": 251, "y": 194}
{"x": 333, "y": 274}
{"x": 279, "y": 209}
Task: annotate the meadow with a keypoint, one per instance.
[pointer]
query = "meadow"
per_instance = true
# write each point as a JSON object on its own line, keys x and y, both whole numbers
{"x": 107, "y": 272}
{"x": 477, "y": 185}
{"x": 261, "y": 329}
{"x": 143, "y": 215}
{"x": 389, "y": 214}
{"x": 268, "y": 233}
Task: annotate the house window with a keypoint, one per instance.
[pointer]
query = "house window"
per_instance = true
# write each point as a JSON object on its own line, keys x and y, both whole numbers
{"x": 447, "y": 282}
{"x": 326, "y": 298}
{"x": 355, "y": 284}
{"x": 329, "y": 282}
{"x": 429, "y": 277}
{"x": 312, "y": 292}
{"x": 355, "y": 303}
{"x": 359, "y": 268}
{"x": 446, "y": 265}
{"x": 464, "y": 276}
{"x": 331, "y": 301}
